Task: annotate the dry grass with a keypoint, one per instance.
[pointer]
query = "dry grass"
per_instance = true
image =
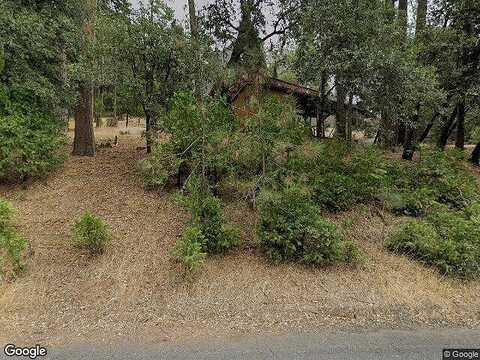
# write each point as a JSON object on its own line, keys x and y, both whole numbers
{"x": 134, "y": 291}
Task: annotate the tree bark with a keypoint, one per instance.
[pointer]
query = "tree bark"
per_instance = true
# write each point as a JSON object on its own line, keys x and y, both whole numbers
{"x": 193, "y": 18}
{"x": 475, "y": 158}
{"x": 446, "y": 130}
{"x": 422, "y": 8}
{"x": 428, "y": 128}
{"x": 340, "y": 112}
{"x": 403, "y": 17}
{"x": 84, "y": 136}
{"x": 321, "y": 108}
{"x": 410, "y": 137}
{"x": 460, "y": 137}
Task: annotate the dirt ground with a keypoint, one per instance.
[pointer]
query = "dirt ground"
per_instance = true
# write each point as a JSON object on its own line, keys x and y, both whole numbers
{"x": 134, "y": 291}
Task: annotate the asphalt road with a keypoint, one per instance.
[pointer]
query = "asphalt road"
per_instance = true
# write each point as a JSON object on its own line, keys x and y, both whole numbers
{"x": 385, "y": 344}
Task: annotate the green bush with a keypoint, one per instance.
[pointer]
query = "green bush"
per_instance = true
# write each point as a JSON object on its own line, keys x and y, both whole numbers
{"x": 473, "y": 213}
{"x": 290, "y": 228}
{"x": 334, "y": 192}
{"x": 189, "y": 250}
{"x": 445, "y": 240}
{"x": 341, "y": 177}
{"x": 160, "y": 166}
{"x": 206, "y": 211}
{"x": 452, "y": 183}
{"x": 30, "y": 146}
{"x": 91, "y": 233}
{"x": 11, "y": 243}
{"x": 413, "y": 203}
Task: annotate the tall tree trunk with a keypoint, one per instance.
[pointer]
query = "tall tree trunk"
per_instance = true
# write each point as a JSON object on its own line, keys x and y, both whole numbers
{"x": 460, "y": 137}
{"x": 84, "y": 136}
{"x": 428, "y": 128}
{"x": 321, "y": 108}
{"x": 193, "y": 18}
{"x": 341, "y": 112}
{"x": 403, "y": 17}
{"x": 422, "y": 8}
{"x": 446, "y": 130}
{"x": 409, "y": 145}
{"x": 475, "y": 158}
{"x": 403, "y": 24}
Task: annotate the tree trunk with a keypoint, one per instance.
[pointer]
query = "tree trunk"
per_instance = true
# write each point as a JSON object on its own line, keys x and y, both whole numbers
{"x": 193, "y": 18}
{"x": 403, "y": 18}
{"x": 460, "y": 138}
{"x": 410, "y": 137}
{"x": 427, "y": 130}
{"x": 446, "y": 130}
{"x": 321, "y": 108}
{"x": 84, "y": 137}
{"x": 340, "y": 113}
{"x": 422, "y": 8}
{"x": 475, "y": 158}
{"x": 401, "y": 133}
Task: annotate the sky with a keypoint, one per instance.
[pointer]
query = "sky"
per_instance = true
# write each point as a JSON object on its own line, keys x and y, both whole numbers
{"x": 178, "y": 5}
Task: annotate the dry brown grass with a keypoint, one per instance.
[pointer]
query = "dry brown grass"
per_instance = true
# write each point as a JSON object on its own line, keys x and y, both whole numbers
{"x": 134, "y": 291}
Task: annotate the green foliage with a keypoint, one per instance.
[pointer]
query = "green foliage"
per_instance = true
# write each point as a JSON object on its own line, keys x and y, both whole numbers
{"x": 160, "y": 166}
{"x": 413, "y": 203}
{"x": 438, "y": 178}
{"x": 290, "y": 228}
{"x": 445, "y": 240}
{"x": 206, "y": 212}
{"x": 341, "y": 177}
{"x": 91, "y": 233}
{"x": 198, "y": 138}
{"x": 29, "y": 146}
{"x": 11, "y": 243}
{"x": 452, "y": 183}
{"x": 189, "y": 250}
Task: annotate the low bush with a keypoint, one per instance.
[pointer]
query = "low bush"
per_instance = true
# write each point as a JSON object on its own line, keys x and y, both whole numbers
{"x": 445, "y": 240}
{"x": 91, "y": 233}
{"x": 11, "y": 243}
{"x": 452, "y": 183}
{"x": 161, "y": 166}
{"x": 290, "y": 228}
{"x": 31, "y": 146}
{"x": 412, "y": 203}
{"x": 341, "y": 177}
{"x": 189, "y": 250}
{"x": 206, "y": 211}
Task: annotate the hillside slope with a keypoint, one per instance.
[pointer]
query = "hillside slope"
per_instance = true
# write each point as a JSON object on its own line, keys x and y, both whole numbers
{"x": 134, "y": 290}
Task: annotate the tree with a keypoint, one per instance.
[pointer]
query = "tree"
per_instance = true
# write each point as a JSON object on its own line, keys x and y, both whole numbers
{"x": 84, "y": 139}
{"x": 242, "y": 27}
{"x": 193, "y": 19}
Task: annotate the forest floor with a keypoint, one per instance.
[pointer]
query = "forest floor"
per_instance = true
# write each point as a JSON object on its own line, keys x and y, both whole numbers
{"x": 134, "y": 290}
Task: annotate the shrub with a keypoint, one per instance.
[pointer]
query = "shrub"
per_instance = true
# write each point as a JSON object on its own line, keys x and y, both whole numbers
{"x": 452, "y": 183}
{"x": 446, "y": 241}
{"x": 206, "y": 211}
{"x": 160, "y": 166}
{"x": 413, "y": 203}
{"x": 473, "y": 213}
{"x": 343, "y": 177}
{"x": 290, "y": 228}
{"x": 334, "y": 192}
{"x": 91, "y": 233}
{"x": 31, "y": 146}
{"x": 11, "y": 243}
{"x": 189, "y": 250}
